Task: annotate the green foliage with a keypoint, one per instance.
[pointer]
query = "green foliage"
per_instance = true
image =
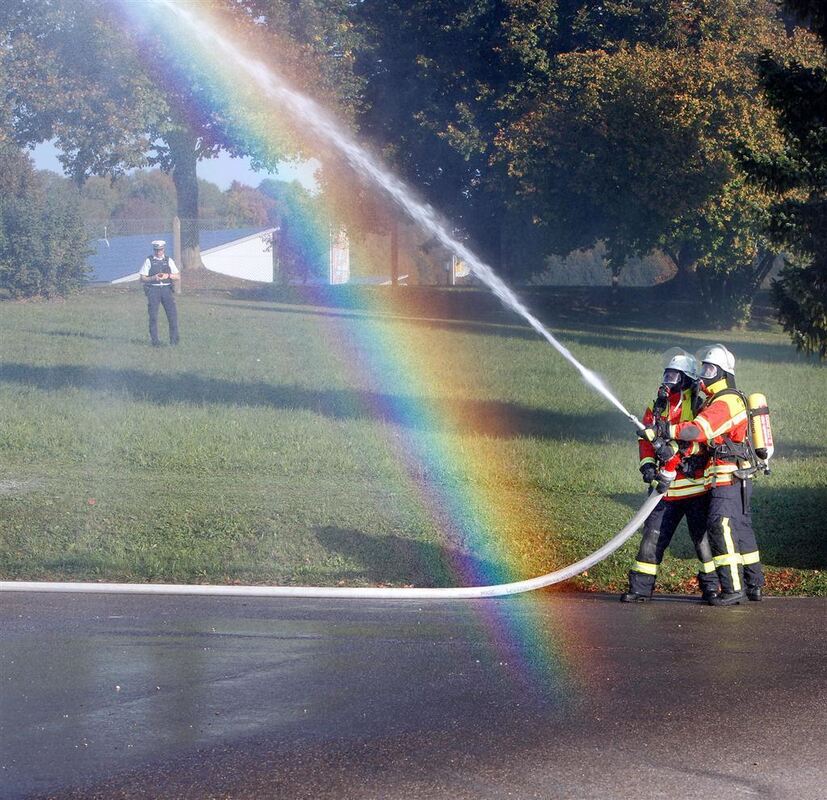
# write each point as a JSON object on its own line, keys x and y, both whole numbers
{"x": 42, "y": 240}
{"x": 797, "y": 88}
{"x": 303, "y": 236}
{"x": 632, "y": 141}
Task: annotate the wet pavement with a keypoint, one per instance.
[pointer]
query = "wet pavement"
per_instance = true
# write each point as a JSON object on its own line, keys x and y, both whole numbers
{"x": 544, "y": 696}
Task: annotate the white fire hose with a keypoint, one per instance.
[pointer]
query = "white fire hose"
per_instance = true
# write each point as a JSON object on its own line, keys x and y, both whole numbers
{"x": 364, "y": 593}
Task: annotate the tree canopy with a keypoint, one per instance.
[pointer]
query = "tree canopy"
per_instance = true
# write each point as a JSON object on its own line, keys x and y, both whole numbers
{"x": 118, "y": 94}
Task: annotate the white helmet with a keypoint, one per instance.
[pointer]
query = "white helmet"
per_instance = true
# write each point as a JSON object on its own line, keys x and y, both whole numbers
{"x": 678, "y": 358}
{"x": 718, "y": 355}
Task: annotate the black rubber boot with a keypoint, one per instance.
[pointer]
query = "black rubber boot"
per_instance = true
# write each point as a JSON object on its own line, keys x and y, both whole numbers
{"x": 709, "y": 596}
{"x": 634, "y": 597}
{"x": 728, "y": 599}
{"x": 754, "y": 593}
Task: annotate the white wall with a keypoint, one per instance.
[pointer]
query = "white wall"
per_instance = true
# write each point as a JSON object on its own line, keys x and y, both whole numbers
{"x": 248, "y": 258}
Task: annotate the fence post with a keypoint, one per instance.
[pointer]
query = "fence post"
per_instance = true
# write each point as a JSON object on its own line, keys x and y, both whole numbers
{"x": 394, "y": 251}
{"x": 176, "y": 250}
{"x": 274, "y": 253}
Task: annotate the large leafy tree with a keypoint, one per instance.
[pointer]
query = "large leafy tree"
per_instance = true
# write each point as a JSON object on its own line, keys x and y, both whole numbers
{"x": 635, "y": 141}
{"x": 118, "y": 94}
{"x": 548, "y": 126}
{"x": 439, "y": 78}
{"x": 797, "y": 89}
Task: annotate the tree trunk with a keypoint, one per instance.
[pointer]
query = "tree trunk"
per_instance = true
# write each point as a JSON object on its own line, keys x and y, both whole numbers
{"x": 182, "y": 148}
{"x": 685, "y": 280}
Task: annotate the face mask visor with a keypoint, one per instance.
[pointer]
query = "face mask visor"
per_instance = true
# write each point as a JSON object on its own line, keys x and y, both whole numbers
{"x": 709, "y": 372}
{"x": 673, "y": 378}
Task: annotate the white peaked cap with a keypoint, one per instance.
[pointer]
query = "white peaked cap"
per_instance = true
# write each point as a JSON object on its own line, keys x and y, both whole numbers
{"x": 158, "y": 243}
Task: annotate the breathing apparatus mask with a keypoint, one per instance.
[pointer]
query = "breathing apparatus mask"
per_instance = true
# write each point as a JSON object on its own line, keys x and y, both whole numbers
{"x": 675, "y": 381}
{"x": 680, "y": 371}
{"x": 716, "y": 363}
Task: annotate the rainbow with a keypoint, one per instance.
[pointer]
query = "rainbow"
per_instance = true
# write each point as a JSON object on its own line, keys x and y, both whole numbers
{"x": 498, "y": 532}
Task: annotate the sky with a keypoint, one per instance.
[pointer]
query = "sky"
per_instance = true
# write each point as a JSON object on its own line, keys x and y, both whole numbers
{"x": 221, "y": 171}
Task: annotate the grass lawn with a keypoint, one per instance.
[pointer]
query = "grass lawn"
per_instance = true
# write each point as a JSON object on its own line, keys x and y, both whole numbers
{"x": 411, "y": 437}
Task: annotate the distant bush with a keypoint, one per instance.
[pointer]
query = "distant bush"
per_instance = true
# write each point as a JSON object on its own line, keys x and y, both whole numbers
{"x": 588, "y": 268}
{"x": 42, "y": 241}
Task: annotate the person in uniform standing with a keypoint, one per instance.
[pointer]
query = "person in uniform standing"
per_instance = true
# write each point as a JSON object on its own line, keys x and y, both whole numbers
{"x": 158, "y": 273}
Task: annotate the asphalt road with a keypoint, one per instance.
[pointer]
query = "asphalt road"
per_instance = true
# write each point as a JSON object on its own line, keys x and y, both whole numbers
{"x": 546, "y": 696}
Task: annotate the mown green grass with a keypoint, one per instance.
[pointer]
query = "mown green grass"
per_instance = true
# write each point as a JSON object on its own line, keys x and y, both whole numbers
{"x": 313, "y": 440}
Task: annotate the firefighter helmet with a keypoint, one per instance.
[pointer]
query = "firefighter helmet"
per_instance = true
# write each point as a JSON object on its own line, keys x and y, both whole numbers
{"x": 677, "y": 358}
{"x": 718, "y": 355}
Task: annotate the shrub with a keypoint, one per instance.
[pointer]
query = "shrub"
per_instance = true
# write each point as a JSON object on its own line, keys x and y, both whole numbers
{"x": 43, "y": 246}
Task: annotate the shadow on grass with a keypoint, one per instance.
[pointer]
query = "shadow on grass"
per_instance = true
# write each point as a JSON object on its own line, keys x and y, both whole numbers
{"x": 788, "y": 523}
{"x": 69, "y": 334}
{"x": 394, "y": 559}
{"x": 454, "y": 415}
{"x": 795, "y": 537}
{"x": 641, "y": 342}
{"x": 586, "y": 316}
{"x": 505, "y": 328}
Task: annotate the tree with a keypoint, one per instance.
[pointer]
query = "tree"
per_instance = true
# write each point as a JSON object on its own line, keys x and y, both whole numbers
{"x": 117, "y": 96}
{"x": 440, "y": 78}
{"x": 303, "y": 228}
{"x": 248, "y": 206}
{"x": 634, "y": 144}
{"x": 42, "y": 240}
{"x": 797, "y": 89}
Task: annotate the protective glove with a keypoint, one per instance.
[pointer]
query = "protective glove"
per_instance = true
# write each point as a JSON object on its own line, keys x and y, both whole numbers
{"x": 664, "y": 451}
{"x": 665, "y": 478}
{"x": 648, "y": 471}
{"x": 659, "y": 430}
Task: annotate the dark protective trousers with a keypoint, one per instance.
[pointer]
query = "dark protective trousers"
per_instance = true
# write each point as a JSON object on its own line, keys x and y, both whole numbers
{"x": 734, "y": 548}
{"x": 658, "y": 531}
{"x": 162, "y": 295}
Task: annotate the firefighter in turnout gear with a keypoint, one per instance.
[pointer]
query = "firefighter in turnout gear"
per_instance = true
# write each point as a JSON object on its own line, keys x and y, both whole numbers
{"x": 723, "y": 424}
{"x": 680, "y": 474}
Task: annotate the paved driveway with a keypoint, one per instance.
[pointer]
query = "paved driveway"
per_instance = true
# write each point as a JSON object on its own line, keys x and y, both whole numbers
{"x": 544, "y": 696}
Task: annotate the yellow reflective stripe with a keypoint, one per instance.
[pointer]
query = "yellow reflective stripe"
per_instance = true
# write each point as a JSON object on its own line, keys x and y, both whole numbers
{"x": 708, "y": 566}
{"x": 720, "y": 469}
{"x": 681, "y": 483}
{"x": 705, "y": 427}
{"x": 689, "y": 491}
{"x": 646, "y": 569}
{"x": 751, "y": 558}
{"x": 730, "y": 548}
{"x": 648, "y": 460}
{"x": 717, "y": 480}
{"x": 728, "y": 559}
